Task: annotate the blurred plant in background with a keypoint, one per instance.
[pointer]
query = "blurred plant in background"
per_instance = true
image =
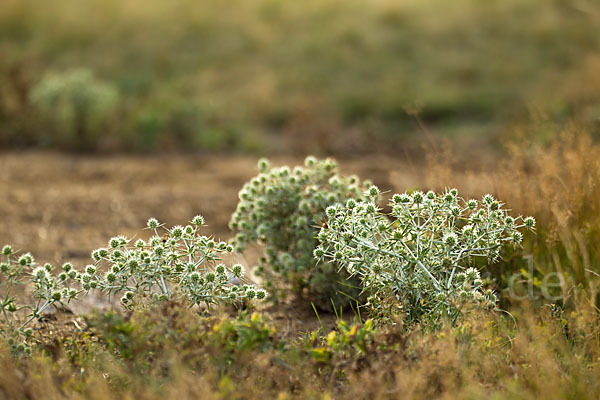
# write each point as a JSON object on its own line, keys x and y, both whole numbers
{"x": 320, "y": 75}
{"x": 76, "y": 107}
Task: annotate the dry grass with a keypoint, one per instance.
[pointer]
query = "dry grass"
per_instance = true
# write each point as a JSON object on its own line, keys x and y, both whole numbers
{"x": 557, "y": 182}
{"x": 176, "y": 354}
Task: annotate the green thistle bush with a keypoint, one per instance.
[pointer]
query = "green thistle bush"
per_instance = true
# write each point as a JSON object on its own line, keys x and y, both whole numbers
{"x": 282, "y": 208}
{"x": 179, "y": 264}
{"x": 420, "y": 262}
{"x": 20, "y": 304}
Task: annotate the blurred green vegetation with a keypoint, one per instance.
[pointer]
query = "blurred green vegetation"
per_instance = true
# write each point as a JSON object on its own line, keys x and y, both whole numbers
{"x": 275, "y": 75}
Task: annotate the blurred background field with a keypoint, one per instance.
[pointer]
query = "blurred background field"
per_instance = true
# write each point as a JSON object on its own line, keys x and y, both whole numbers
{"x": 275, "y": 76}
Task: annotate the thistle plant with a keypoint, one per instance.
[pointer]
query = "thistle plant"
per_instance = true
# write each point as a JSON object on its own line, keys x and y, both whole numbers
{"x": 282, "y": 209}
{"x": 420, "y": 261}
{"x": 179, "y": 264}
{"x": 27, "y": 290}
{"x": 175, "y": 262}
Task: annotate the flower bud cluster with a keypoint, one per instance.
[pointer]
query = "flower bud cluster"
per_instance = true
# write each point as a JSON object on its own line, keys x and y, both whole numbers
{"x": 422, "y": 253}
{"x": 282, "y": 208}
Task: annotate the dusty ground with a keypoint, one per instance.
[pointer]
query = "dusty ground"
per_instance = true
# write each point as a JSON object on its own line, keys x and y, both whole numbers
{"x": 61, "y": 207}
